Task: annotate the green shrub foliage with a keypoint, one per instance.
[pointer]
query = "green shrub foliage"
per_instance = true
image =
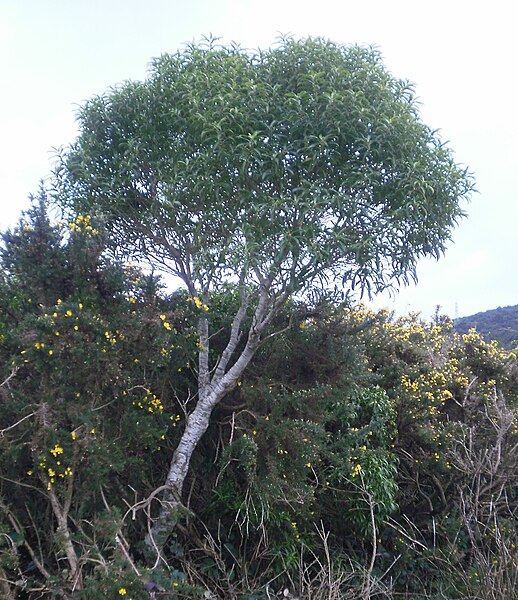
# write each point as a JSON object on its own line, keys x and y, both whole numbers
{"x": 353, "y": 434}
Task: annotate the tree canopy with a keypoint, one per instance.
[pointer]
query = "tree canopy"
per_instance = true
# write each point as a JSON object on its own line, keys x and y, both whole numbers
{"x": 281, "y": 168}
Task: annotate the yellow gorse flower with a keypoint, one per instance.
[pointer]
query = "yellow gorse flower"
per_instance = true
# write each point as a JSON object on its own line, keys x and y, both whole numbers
{"x": 56, "y": 450}
{"x": 82, "y": 225}
{"x": 199, "y": 304}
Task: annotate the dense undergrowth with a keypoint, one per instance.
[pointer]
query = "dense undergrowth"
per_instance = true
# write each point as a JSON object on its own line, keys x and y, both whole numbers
{"x": 361, "y": 456}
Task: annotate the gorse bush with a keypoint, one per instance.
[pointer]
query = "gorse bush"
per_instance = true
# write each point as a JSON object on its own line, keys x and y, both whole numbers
{"x": 84, "y": 395}
{"x": 379, "y": 450}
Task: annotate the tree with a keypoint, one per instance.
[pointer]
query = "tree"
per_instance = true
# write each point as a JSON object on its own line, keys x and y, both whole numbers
{"x": 300, "y": 166}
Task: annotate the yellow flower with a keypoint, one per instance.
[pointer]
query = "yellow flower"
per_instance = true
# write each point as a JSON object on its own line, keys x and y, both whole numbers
{"x": 357, "y": 470}
{"x": 167, "y": 325}
{"x": 56, "y": 450}
{"x": 122, "y": 591}
{"x": 74, "y": 435}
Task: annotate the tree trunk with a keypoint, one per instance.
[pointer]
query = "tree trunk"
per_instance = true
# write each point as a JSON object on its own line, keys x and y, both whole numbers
{"x": 63, "y": 532}
{"x": 212, "y": 388}
{"x": 196, "y": 425}
{"x": 170, "y": 511}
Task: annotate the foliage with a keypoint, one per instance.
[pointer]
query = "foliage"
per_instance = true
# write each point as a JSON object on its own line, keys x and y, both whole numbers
{"x": 353, "y": 435}
{"x": 312, "y": 447}
{"x": 86, "y": 394}
{"x": 292, "y": 164}
{"x": 279, "y": 171}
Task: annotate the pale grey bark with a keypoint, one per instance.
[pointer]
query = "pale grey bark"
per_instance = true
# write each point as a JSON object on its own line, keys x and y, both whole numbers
{"x": 61, "y": 511}
{"x": 211, "y": 390}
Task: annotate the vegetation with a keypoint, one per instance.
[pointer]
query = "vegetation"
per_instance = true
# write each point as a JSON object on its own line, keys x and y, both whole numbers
{"x": 359, "y": 456}
{"x": 500, "y": 324}
{"x": 255, "y": 434}
{"x": 284, "y": 172}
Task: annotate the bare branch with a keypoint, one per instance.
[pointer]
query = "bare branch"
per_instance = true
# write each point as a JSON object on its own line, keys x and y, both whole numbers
{"x": 2, "y": 431}
{"x": 10, "y": 376}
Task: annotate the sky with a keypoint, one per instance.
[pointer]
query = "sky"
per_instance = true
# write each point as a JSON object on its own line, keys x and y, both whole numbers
{"x": 461, "y": 56}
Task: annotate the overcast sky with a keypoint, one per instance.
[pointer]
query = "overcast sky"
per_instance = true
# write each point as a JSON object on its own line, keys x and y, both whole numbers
{"x": 461, "y": 55}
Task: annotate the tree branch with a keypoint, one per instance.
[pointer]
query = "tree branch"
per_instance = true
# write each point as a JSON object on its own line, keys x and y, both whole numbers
{"x": 2, "y": 431}
{"x": 234, "y": 334}
{"x": 9, "y": 377}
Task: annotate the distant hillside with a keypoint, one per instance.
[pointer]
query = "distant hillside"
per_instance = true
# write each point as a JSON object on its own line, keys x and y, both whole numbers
{"x": 499, "y": 324}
